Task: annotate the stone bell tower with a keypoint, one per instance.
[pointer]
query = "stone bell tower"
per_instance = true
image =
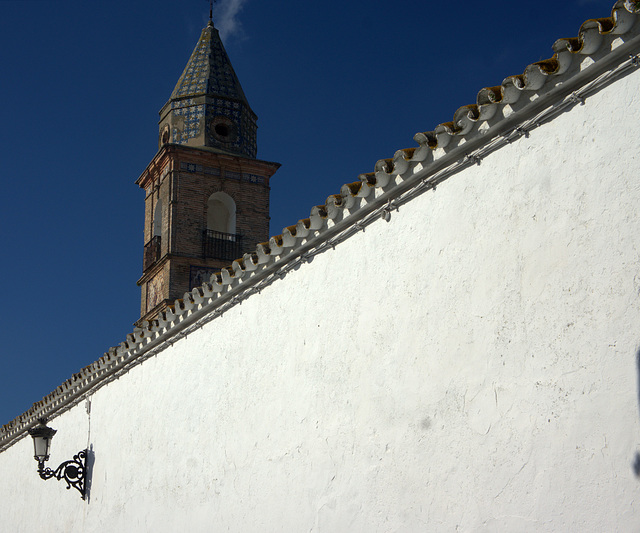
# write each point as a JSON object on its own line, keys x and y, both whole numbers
{"x": 206, "y": 194}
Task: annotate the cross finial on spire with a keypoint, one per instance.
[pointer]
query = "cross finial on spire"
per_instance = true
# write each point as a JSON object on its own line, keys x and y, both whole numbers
{"x": 211, "y": 11}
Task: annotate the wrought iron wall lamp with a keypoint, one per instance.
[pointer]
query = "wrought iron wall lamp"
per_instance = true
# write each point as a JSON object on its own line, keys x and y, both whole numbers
{"x": 72, "y": 471}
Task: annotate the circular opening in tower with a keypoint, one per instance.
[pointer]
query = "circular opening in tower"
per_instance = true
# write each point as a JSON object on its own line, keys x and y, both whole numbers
{"x": 222, "y": 130}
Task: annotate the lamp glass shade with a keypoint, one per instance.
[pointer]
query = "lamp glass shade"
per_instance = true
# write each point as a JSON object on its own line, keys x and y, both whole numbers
{"x": 41, "y": 446}
{"x": 42, "y": 436}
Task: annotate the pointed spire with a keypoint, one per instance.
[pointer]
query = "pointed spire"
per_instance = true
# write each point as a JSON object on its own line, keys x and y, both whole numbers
{"x": 208, "y": 107}
{"x": 209, "y": 70}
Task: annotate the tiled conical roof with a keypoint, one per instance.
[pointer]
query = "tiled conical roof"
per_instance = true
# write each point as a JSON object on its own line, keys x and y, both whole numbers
{"x": 208, "y": 107}
{"x": 209, "y": 71}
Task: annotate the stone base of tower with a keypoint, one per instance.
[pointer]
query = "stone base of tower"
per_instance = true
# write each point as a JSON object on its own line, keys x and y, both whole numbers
{"x": 182, "y": 273}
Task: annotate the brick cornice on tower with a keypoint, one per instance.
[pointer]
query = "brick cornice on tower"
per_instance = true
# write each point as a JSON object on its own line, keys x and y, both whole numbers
{"x": 202, "y": 155}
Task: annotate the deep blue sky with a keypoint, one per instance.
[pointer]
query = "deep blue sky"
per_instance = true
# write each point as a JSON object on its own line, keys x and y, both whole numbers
{"x": 336, "y": 85}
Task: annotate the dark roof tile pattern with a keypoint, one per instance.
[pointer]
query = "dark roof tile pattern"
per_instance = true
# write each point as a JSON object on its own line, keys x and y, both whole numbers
{"x": 209, "y": 71}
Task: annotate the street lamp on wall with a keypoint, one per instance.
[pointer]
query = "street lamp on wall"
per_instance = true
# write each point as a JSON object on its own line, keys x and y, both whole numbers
{"x": 72, "y": 471}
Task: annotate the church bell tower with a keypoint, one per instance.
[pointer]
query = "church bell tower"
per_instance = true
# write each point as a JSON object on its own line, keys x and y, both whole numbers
{"x": 206, "y": 194}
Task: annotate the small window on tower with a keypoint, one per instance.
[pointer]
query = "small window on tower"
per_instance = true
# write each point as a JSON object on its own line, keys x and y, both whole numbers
{"x": 157, "y": 219}
{"x": 223, "y": 129}
{"x": 164, "y": 136}
{"x": 221, "y": 213}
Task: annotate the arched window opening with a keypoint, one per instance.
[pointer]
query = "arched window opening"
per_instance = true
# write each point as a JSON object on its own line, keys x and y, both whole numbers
{"x": 220, "y": 239}
{"x": 152, "y": 248}
{"x": 221, "y": 213}
{"x": 157, "y": 219}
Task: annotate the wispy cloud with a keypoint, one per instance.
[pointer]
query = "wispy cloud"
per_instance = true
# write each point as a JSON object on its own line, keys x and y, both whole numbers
{"x": 225, "y": 17}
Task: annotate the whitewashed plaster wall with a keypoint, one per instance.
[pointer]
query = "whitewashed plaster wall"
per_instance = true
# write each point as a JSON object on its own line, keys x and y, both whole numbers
{"x": 469, "y": 365}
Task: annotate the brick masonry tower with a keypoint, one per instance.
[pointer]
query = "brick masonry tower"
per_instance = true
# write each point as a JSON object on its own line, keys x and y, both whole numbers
{"x": 206, "y": 194}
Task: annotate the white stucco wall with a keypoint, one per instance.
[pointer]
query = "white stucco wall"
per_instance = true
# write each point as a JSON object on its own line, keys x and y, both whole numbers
{"x": 470, "y": 365}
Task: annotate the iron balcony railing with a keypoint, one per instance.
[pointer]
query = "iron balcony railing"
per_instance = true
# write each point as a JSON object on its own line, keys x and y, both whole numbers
{"x": 218, "y": 245}
{"x": 151, "y": 252}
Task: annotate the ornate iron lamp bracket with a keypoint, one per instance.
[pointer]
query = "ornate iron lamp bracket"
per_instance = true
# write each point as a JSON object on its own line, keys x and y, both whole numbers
{"x": 73, "y": 472}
